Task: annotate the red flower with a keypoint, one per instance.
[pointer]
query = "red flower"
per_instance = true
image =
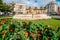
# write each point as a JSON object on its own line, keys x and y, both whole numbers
{"x": 56, "y": 27}
{"x": 9, "y": 26}
{"x": 53, "y": 31}
{"x": 11, "y": 30}
{"x": 3, "y": 35}
{"x": 23, "y": 23}
{"x": 50, "y": 26}
{"x": 26, "y": 34}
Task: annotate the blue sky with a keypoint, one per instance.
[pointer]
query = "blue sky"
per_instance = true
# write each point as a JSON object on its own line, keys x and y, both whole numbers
{"x": 58, "y": 0}
{"x": 34, "y": 3}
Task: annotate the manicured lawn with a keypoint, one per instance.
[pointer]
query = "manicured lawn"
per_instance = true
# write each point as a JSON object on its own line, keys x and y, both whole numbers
{"x": 52, "y": 22}
{"x": 1, "y": 17}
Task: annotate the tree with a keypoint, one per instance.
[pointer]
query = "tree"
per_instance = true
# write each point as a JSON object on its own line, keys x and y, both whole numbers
{"x": 30, "y": 7}
{"x": 36, "y": 8}
{"x": 3, "y": 6}
{"x": 11, "y": 8}
{"x": 41, "y": 7}
{"x": 1, "y": 2}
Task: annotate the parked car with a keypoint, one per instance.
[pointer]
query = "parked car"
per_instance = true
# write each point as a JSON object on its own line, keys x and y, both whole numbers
{"x": 6, "y": 13}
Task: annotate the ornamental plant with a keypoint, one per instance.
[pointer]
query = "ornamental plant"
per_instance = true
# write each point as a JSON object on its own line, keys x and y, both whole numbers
{"x": 12, "y": 29}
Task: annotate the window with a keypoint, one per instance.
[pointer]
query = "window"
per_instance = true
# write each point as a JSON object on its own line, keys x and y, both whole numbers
{"x": 20, "y": 6}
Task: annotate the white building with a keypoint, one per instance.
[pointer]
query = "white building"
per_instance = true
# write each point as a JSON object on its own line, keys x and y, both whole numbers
{"x": 20, "y": 7}
{"x": 52, "y": 7}
{"x": 32, "y": 14}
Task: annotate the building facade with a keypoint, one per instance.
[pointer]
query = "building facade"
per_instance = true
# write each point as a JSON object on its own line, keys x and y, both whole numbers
{"x": 37, "y": 11}
{"x": 52, "y": 7}
{"x": 20, "y": 8}
{"x": 58, "y": 10}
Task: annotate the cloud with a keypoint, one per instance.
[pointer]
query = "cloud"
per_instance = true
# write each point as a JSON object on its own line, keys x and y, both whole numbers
{"x": 10, "y": 1}
{"x": 39, "y": 3}
{"x": 34, "y": 3}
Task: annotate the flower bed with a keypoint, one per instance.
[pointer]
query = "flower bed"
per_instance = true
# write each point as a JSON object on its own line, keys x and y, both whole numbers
{"x": 11, "y": 29}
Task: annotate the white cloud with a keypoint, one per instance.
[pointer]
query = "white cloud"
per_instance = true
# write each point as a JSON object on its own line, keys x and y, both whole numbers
{"x": 37, "y": 4}
{"x": 32, "y": 2}
{"x": 10, "y": 1}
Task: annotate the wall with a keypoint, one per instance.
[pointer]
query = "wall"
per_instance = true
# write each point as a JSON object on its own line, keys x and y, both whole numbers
{"x": 58, "y": 10}
{"x": 31, "y": 16}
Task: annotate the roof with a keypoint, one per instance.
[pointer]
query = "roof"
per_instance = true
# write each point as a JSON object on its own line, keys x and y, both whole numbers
{"x": 36, "y": 9}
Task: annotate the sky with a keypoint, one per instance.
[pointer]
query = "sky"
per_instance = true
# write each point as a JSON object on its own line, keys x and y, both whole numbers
{"x": 33, "y": 3}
